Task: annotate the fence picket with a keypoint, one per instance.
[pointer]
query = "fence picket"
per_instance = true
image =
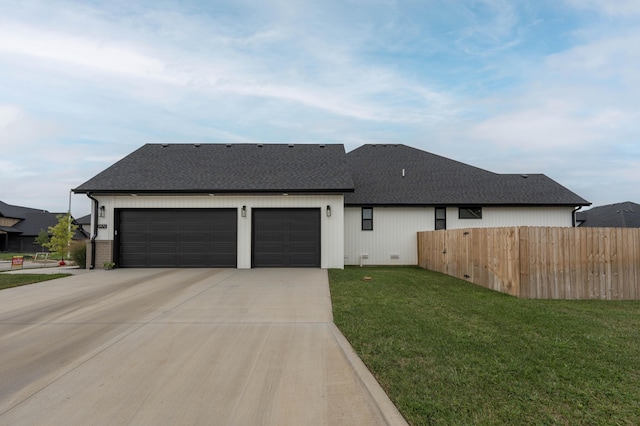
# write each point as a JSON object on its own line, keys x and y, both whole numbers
{"x": 538, "y": 262}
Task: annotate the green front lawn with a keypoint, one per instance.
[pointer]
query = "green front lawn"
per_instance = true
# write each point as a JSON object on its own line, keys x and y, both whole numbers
{"x": 9, "y": 255}
{"x": 450, "y": 352}
{"x": 15, "y": 280}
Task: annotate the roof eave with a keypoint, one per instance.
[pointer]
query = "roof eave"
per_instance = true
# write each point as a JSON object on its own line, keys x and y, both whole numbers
{"x": 455, "y": 204}
{"x": 215, "y": 191}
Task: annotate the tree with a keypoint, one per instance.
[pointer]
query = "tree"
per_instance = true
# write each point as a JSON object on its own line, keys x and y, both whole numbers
{"x": 42, "y": 239}
{"x": 61, "y": 234}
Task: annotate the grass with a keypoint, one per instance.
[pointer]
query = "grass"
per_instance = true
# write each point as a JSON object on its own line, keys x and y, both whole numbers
{"x": 450, "y": 352}
{"x": 16, "y": 280}
{"x": 9, "y": 255}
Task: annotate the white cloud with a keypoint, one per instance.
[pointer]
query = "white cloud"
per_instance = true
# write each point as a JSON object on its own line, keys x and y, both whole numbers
{"x": 617, "y": 8}
{"x": 344, "y": 87}
{"x": 18, "y": 130}
{"x": 493, "y": 27}
{"x": 615, "y": 59}
{"x": 78, "y": 51}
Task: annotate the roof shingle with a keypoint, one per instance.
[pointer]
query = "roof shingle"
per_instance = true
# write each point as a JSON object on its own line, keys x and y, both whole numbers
{"x": 167, "y": 168}
{"x": 618, "y": 215}
{"x": 398, "y": 174}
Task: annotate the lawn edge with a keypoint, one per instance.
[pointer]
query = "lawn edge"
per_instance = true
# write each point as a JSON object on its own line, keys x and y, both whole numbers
{"x": 386, "y": 408}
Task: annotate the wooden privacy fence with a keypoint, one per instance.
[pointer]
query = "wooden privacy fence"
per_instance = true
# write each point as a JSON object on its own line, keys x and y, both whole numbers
{"x": 539, "y": 263}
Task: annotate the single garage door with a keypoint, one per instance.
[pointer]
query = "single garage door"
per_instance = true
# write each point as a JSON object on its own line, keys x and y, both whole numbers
{"x": 286, "y": 238}
{"x": 181, "y": 238}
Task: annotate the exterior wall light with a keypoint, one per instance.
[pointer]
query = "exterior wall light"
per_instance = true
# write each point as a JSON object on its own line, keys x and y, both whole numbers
{"x": 102, "y": 212}
{"x": 243, "y": 211}
{"x": 328, "y": 211}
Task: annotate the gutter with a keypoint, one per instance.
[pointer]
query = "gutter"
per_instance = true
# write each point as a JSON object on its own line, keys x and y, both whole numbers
{"x": 573, "y": 217}
{"x": 94, "y": 232}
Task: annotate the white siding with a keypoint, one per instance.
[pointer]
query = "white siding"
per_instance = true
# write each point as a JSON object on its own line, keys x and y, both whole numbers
{"x": 495, "y": 217}
{"x": 393, "y": 239}
{"x": 332, "y": 228}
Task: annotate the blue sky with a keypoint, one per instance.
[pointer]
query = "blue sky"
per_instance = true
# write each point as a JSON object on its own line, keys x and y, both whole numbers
{"x": 510, "y": 86}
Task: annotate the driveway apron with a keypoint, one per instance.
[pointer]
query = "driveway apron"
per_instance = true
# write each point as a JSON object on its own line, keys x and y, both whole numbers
{"x": 180, "y": 347}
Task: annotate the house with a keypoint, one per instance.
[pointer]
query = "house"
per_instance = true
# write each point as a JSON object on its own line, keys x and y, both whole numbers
{"x": 19, "y": 227}
{"x": 221, "y": 205}
{"x": 84, "y": 223}
{"x": 619, "y": 215}
{"x": 299, "y": 205}
{"x": 400, "y": 190}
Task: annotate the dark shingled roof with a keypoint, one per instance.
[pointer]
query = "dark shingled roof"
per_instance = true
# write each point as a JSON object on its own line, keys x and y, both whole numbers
{"x": 433, "y": 180}
{"x": 16, "y": 212}
{"x": 33, "y": 220}
{"x": 10, "y": 230}
{"x": 231, "y": 168}
{"x": 84, "y": 220}
{"x": 619, "y": 215}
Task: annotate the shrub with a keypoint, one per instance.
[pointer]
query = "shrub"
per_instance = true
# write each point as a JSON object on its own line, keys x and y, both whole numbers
{"x": 79, "y": 253}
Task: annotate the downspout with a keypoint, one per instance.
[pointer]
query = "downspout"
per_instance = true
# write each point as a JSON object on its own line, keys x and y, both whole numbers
{"x": 94, "y": 232}
{"x": 573, "y": 218}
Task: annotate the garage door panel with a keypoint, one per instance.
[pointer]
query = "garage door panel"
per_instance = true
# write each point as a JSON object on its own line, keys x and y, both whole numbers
{"x": 286, "y": 238}
{"x": 177, "y": 238}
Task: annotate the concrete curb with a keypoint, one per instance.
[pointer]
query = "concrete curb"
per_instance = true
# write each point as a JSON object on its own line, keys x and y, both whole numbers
{"x": 74, "y": 270}
{"x": 388, "y": 411}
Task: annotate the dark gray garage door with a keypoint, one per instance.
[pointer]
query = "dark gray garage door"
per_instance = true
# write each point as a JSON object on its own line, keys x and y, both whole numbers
{"x": 184, "y": 238}
{"x": 286, "y": 238}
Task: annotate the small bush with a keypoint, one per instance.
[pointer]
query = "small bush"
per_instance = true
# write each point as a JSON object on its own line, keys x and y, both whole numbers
{"x": 79, "y": 253}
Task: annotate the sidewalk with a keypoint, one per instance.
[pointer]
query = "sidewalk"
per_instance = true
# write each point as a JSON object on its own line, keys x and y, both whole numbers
{"x": 31, "y": 267}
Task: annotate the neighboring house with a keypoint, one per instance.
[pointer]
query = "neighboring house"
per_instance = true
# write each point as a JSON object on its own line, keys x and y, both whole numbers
{"x": 619, "y": 215}
{"x": 302, "y": 205}
{"x": 19, "y": 227}
{"x": 84, "y": 223}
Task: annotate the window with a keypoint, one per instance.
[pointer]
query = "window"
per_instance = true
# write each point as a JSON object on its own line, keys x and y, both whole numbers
{"x": 470, "y": 213}
{"x": 367, "y": 218}
{"x": 441, "y": 218}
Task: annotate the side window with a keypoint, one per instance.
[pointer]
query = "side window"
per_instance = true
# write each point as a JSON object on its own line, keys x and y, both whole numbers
{"x": 470, "y": 213}
{"x": 441, "y": 218}
{"x": 367, "y": 218}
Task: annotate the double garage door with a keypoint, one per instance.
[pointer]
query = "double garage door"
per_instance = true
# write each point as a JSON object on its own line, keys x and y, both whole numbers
{"x": 207, "y": 238}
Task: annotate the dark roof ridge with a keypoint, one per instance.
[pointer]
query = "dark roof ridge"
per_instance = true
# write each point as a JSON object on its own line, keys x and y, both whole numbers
{"x": 17, "y": 212}
{"x": 423, "y": 152}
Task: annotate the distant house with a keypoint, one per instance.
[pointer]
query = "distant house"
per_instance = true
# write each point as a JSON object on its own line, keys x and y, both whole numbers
{"x": 300, "y": 205}
{"x": 19, "y": 227}
{"x": 619, "y": 215}
{"x": 85, "y": 223}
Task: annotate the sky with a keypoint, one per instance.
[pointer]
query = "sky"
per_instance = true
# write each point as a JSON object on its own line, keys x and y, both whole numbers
{"x": 539, "y": 86}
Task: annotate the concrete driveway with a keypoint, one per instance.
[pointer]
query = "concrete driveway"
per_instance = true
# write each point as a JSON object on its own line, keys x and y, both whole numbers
{"x": 180, "y": 347}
